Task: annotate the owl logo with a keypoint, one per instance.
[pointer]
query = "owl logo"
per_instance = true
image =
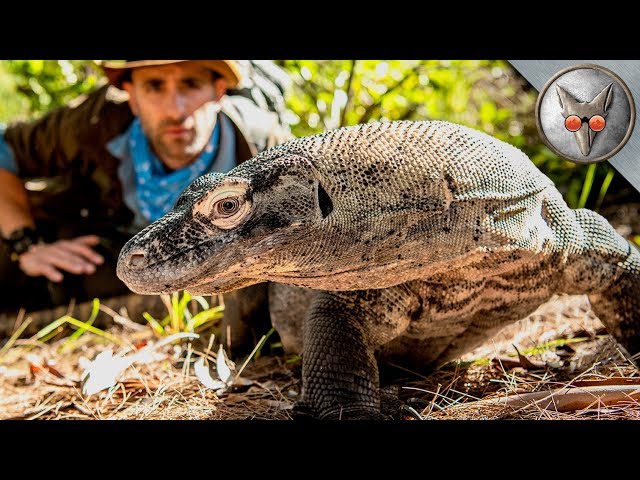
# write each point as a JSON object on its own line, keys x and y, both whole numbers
{"x": 585, "y": 119}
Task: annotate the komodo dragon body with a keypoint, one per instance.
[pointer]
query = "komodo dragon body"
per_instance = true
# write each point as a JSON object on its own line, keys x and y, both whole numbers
{"x": 423, "y": 239}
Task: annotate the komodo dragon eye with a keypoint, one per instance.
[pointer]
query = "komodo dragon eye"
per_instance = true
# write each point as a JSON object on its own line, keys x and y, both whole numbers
{"x": 226, "y": 206}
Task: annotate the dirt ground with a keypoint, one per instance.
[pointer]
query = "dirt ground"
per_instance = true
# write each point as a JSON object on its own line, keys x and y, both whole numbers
{"x": 569, "y": 369}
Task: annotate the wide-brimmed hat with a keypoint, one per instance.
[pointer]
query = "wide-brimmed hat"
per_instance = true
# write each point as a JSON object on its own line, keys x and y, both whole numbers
{"x": 116, "y": 70}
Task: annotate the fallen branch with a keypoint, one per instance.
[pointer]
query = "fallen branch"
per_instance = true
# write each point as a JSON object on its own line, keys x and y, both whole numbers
{"x": 568, "y": 399}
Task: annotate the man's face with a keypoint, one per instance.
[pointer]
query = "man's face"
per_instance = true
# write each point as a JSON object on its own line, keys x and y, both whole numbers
{"x": 176, "y": 105}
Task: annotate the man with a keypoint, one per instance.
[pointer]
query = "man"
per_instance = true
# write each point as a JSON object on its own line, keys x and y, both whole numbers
{"x": 112, "y": 163}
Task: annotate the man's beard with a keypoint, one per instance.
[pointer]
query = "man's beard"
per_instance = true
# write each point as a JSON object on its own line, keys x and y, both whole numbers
{"x": 177, "y": 153}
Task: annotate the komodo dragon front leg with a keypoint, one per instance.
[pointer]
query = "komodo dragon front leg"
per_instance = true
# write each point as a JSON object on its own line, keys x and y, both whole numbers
{"x": 342, "y": 331}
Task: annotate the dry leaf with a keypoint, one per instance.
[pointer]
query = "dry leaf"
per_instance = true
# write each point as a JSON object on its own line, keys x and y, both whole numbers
{"x": 224, "y": 372}
{"x": 505, "y": 363}
{"x": 528, "y": 364}
{"x": 33, "y": 368}
{"x": 53, "y": 371}
{"x": 279, "y": 405}
{"x": 136, "y": 384}
{"x": 202, "y": 372}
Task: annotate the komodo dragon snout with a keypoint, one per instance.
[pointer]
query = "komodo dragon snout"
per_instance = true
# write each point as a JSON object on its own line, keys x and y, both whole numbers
{"x": 225, "y": 232}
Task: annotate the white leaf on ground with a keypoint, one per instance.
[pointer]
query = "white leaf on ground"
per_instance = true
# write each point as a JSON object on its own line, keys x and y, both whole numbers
{"x": 202, "y": 372}
{"x": 224, "y": 372}
{"x": 103, "y": 372}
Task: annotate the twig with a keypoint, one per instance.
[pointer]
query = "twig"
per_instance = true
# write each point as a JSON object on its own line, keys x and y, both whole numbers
{"x": 571, "y": 399}
{"x": 346, "y": 104}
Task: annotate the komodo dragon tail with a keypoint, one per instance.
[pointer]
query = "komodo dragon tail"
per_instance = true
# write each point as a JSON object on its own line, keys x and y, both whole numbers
{"x": 617, "y": 301}
{"x": 618, "y": 307}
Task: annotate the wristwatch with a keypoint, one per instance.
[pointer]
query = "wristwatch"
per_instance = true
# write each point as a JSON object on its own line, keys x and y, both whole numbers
{"x": 20, "y": 241}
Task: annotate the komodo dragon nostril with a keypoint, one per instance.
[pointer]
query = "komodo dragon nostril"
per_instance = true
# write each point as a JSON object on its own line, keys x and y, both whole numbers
{"x": 136, "y": 259}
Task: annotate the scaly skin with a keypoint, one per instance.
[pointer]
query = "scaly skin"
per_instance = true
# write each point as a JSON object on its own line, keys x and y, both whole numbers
{"x": 424, "y": 239}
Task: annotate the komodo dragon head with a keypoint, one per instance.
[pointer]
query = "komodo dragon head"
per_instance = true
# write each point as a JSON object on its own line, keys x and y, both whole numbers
{"x": 368, "y": 206}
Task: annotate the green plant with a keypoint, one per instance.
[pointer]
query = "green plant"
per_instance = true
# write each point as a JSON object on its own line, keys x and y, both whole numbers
{"x": 183, "y": 314}
{"x": 588, "y": 183}
{"x": 58, "y": 326}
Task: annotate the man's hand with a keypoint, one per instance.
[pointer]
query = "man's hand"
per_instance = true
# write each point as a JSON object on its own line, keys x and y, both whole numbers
{"x": 74, "y": 256}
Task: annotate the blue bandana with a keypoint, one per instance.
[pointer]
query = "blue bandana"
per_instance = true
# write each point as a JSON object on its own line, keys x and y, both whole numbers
{"x": 157, "y": 190}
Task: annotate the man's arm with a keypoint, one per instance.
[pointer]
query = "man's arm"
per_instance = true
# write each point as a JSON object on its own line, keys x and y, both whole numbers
{"x": 15, "y": 211}
{"x": 74, "y": 256}
{"x": 49, "y": 146}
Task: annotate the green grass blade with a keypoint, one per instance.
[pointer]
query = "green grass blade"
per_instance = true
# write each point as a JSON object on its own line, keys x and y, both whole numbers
{"x": 182, "y": 305}
{"x": 294, "y": 359}
{"x": 165, "y": 321}
{"x": 75, "y": 335}
{"x": 94, "y": 330}
{"x": 604, "y": 187}
{"x": 176, "y": 314}
{"x": 587, "y": 185}
{"x": 14, "y": 337}
{"x": 266, "y": 337}
{"x": 203, "y": 303}
{"x": 257, "y": 348}
{"x": 50, "y": 328}
{"x": 48, "y": 337}
{"x": 552, "y": 344}
{"x": 155, "y": 326}
{"x": 203, "y": 317}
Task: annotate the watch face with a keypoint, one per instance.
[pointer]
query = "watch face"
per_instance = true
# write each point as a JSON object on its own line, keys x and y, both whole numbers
{"x": 585, "y": 113}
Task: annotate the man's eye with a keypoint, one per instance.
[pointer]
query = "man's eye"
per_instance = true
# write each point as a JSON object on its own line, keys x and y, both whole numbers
{"x": 154, "y": 86}
{"x": 192, "y": 84}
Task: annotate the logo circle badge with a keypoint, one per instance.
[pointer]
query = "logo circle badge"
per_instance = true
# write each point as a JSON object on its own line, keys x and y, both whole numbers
{"x": 585, "y": 113}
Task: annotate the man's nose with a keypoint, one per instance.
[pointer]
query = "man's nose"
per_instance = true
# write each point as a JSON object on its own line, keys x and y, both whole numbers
{"x": 176, "y": 105}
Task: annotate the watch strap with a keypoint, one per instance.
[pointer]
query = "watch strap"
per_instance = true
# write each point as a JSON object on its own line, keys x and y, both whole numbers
{"x": 21, "y": 240}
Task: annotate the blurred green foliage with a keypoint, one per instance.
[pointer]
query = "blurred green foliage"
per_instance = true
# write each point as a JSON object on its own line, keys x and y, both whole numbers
{"x": 33, "y": 87}
{"x": 485, "y": 94}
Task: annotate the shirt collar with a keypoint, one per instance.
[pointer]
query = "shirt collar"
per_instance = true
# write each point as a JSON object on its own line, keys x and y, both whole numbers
{"x": 119, "y": 145}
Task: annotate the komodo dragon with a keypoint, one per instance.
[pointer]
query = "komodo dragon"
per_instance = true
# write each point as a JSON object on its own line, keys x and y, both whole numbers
{"x": 424, "y": 238}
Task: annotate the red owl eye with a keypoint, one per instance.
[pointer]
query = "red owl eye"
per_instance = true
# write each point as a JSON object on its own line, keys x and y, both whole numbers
{"x": 573, "y": 123}
{"x": 597, "y": 123}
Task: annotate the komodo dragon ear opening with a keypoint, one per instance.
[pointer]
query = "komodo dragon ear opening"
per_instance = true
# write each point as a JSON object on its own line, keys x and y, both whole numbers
{"x": 324, "y": 201}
